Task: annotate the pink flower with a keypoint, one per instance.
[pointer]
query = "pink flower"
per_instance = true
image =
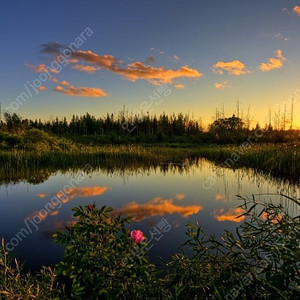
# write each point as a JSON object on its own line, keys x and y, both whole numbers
{"x": 137, "y": 236}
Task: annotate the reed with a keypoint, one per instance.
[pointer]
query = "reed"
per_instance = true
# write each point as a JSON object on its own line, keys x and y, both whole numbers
{"x": 279, "y": 161}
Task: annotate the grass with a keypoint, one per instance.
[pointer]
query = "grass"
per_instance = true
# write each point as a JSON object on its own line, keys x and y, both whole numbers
{"x": 14, "y": 284}
{"x": 36, "y": 167}
{"x": 279, "y": 161}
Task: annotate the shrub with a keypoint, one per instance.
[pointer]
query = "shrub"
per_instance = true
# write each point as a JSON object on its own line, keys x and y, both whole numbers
{"x": 261, "y": 261}
{"x": 39, "y": 140}
{"x": 102, "y": 260}
{"x": 10, "y": 139}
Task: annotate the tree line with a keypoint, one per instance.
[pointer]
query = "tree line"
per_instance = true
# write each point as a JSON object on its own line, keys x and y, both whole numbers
{"x": 146, "y": 128}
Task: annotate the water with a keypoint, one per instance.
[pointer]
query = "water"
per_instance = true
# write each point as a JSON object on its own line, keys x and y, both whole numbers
{"x": 162, "y": 200}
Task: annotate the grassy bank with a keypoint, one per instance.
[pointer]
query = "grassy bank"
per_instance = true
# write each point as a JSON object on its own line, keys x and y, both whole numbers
{"x": 280, "y": 161}
{"x": 36, "y": 167}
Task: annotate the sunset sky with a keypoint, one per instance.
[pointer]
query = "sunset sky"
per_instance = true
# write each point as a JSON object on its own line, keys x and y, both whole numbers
{"x": 60, "y": 58}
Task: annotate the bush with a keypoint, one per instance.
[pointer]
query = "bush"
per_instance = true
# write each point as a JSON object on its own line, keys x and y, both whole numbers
{"x": 102, "y": 260}
{"x": 11, "y": 140}
{"x": 39, "y": 140}
{"x": 260, "y": 261}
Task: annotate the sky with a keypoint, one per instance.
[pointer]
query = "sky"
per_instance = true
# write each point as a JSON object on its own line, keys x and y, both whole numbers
{"x": 60, "y": 58}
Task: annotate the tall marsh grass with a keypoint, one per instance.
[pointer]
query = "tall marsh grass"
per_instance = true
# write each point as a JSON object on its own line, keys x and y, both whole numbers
{"x": 279, "y": 161}
{"x": 15, "y": 284}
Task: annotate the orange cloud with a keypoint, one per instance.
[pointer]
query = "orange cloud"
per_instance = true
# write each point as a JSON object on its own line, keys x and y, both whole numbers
{"x": 180, "y": 196}
{"x": 273, "y": 63}
{"x": 64, "y": 197}
{"x": 222, "y": 85}
{"x": 65, "y": 83}
{"x": 231, "y": 215}
{"x": 219, "y": 197}
{"x": 59, "y": 225}
{"x": 179, "y": 86}
{"x": 80, "y": 91}
{"x": 136, "y": 70}
{"x": 42, "y": 195}
{"x": 82, "y": 192}
{"x": 41, "y": 68}
{"x": 42, "y": 88}
{"x": 279, "y": 54}
{"x": 54, "y": 213}
{"x": 234, "y": 67}
{"x": 156, "y": 207}
{"x": 296, "y": 10}
{"x": 83, "y": 68}
{"x": 103, "y": 61}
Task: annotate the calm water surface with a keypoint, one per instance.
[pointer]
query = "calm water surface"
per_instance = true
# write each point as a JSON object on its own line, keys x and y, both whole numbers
{"x": 161, "y": 200}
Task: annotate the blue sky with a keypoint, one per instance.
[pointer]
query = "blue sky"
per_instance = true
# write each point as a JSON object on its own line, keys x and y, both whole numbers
{"x": 207, "y": 53}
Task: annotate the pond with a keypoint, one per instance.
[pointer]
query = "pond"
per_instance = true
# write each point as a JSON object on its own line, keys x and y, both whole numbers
{"x": 161, "y": 199}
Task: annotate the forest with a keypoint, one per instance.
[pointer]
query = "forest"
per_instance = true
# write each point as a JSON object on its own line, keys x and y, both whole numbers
{"x": 16, "y": 131}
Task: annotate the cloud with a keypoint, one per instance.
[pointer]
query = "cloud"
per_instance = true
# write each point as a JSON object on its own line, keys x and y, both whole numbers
{"x": 42, "y": 195}
{"x": 273, "y": 63}
{"x": 156, "y": 207}
{"x": 81, "y": 91}
{"x": 219, "y": 197}
{"x": 179, "y": 86}
{"x": 51, "y": 48}
{"x": 234, "y": 67}
{"x": 54, "y": 213}
{"x": 150, "y": 59}
{"x": 90, "y": 62}
{"x": 65, "y": 83}
{"x": 81, "y": 192}
{"x": 41, "y": 68}
{"x": 66, "y": 88}
{"x": 230, "y": 215}
{"x": 59, "y": 225}
{"x": 83, "y": 68}
{"x": 222, "y": 85}
{"x": 103, "y": 61}
{"x": 281, "y": 36}
{"x": 64, "y": 197}
{"x": 157, "y": 50}
{"x": 176, "y": 58}
{"x": 296, "y": 10}
{"x": 42, "y": 88}
{"x": 278, "y": 35}
{"x": 136, "y": 70}
{"x": 157, "y": 76}
{"x": 180, "y": 196}
{"x": 279, "y": 54}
